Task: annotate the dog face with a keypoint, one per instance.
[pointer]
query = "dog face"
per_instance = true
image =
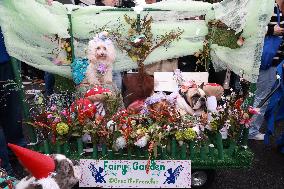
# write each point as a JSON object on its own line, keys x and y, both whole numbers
{"x": 196, "y": 98}
{"x": 101, "y": 50}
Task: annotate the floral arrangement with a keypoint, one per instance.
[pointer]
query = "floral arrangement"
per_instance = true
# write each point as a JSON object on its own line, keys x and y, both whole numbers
{"x": 156, "y": 123}
{"x": 62, "y": 117}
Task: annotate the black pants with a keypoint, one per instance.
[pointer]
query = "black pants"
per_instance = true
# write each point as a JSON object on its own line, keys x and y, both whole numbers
{"x": 10, "y": 106}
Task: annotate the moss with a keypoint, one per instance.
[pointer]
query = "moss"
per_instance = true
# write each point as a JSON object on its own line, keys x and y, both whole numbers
{"x": 222, "y": 36}
{"x": 64, "y": 84}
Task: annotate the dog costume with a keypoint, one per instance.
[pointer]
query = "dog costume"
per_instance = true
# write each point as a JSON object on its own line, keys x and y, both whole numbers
{"x": 46, "y": 172}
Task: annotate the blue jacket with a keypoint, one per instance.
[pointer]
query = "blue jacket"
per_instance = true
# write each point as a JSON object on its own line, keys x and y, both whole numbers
{"x": 275, "y": 108}
{"x": 4, "y": 56}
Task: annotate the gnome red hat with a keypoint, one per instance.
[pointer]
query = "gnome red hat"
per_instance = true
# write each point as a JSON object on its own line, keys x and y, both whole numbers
{"x": 39, "y": 165}
{"x": 96, "y": 90}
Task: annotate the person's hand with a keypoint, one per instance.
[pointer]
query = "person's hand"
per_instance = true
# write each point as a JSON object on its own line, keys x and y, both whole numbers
{"x": 278, "y": 30}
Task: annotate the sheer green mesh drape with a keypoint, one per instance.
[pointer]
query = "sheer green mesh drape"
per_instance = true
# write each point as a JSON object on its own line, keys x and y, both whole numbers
{"x": 32, "y": 29}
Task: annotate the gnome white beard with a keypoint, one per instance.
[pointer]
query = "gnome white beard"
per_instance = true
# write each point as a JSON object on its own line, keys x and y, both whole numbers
{"x": 48, "y": 183}
{"x": 45, "y": 183}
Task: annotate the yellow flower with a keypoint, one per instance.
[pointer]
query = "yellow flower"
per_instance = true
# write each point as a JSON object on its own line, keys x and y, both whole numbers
{"x": 179, "y": 135}
{"x": 189, "y": 134}
{"x": 62, "y": 128}
{"x": 69, "y": 49}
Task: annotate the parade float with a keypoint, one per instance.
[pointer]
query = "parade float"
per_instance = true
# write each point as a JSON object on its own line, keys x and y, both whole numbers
{"x": 157, "y": 138}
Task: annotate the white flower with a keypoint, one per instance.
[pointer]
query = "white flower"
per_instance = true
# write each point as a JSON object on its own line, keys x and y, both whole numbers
{"x": 211, "y": 145}
{"x": 110, "y": 125}
{"x": 224, "y": 132}
{"x": 142, "y": 142}
{"x": 196, "y": 129}
{"x": 86, "y": 138}
{"x": 120, "y": 143}
{"x": 133, "y": 122}
{"x": 245, "y": 147}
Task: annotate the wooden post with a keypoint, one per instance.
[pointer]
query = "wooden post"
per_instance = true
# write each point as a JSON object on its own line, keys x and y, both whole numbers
{"x": 18, "y": 80}
{"x": 174, "y": 149}
{"x": 46, "y": 147}
{"x": 220, "y": 146}
{"x": 104, "y": 150}
{"x": 183, "y": 151}
{"x": 71, "y": 36}
{"x": 191, "y": 149}
{"x": 129, "y": 152}
{"x": 80, "y": 146}
{"x": 95, "y": 152}
{"x": 110, "y": 154}
{"x": 232, "y": 147}
{"x": 203, "y": 154}
{"x": 66, "y": 149}
{"x": 58, "y": 148}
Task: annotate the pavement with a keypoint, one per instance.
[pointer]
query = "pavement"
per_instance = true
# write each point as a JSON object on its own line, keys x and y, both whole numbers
{"x": 266, "y": 172}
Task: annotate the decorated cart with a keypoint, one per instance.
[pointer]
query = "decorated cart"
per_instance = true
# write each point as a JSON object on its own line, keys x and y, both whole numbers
{"x": 157, "y": 132}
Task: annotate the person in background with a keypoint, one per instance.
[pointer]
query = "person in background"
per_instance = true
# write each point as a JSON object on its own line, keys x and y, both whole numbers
{"x": 267, "y": 77}
{"x": 49, "y": 80}
{"x": 10, "y": 108}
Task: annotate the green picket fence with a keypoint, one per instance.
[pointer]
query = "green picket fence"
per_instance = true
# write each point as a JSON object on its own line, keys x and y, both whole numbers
{"x": 225, "y": 154}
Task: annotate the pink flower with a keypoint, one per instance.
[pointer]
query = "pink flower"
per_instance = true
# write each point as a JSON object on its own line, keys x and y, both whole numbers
{"x": 49, "y": 116}
{"x": 241, "y": 41}
{"x": 246, "y": 122}
{"x": 49, "y": 2}
{"x": 253, "y": 110}
{"x": 53, "y": 108}
{"x": 64, "y": 112}
{"x": 56, "y": 61}
{"x": 56, "y": 120}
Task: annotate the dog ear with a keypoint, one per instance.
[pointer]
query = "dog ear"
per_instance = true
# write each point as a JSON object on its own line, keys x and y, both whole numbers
{"x": 201, "y": 86}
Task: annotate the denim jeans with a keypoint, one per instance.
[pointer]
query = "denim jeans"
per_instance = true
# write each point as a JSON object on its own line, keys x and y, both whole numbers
{"x": 49, "y": 80}
{"x": 265, "y": 81}
{"x": 117, "y": 79}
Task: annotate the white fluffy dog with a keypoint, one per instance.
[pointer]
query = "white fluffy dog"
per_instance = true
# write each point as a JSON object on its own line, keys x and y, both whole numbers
{"x": 101, "y": 55}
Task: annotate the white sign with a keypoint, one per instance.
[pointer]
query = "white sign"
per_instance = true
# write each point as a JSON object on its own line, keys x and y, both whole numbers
{"x": 132, "y": 173}
{"x": 164, "y": 81}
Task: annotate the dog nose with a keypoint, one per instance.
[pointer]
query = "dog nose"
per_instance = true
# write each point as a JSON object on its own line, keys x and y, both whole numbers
{"x": 202, "y": 99}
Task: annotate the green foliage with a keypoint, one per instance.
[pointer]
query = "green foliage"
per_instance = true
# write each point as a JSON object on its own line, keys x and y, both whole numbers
{"x": 64, "y": 84}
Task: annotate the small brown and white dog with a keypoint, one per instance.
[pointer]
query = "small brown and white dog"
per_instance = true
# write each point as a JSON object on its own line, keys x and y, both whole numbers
{"x": 191, "y": 101}
{"x": 101, "y": 55}
{"x": 194, "y": 100}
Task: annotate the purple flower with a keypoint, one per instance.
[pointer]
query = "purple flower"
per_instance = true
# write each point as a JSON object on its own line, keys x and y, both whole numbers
{"x": 64, "y": 112}
{"x": 49, "y": 116}
{"x": 57, "y": 119}
{"x": 102, "y": 68}
{"x": 53, "y": 108}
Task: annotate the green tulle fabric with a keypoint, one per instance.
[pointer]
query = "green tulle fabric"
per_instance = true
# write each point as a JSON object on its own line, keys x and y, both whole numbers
{"x": 31, "y": 28}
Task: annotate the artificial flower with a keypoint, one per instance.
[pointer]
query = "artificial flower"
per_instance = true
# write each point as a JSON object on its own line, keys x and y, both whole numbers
{"x": 62, "y": 128}
{"x": 253, "y": 110}
{"x": 120, "y": 143}
{"x": 189, "y": 134}
{"x": 142, "y": 142}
